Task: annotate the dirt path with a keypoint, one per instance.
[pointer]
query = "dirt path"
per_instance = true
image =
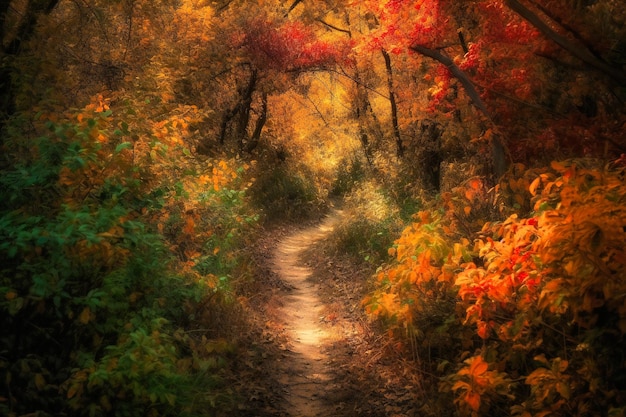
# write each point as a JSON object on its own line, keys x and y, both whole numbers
{"x": 312, "y": 351}
{"x": 305, "y": 369}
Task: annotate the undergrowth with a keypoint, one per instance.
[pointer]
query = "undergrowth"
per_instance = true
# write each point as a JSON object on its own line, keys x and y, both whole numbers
{"x": 370, "y": 225}
{"x": 516, "y": 310}
{"x": 285, "y": 193}
{"x": 115, "y": 267}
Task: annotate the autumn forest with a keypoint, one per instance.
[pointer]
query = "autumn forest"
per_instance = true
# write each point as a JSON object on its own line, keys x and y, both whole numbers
{"x": 153, "y": 154}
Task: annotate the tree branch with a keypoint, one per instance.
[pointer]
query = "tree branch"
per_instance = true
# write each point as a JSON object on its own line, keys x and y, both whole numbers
{"x": 468, "y": 85}
{"x": 519, "y": 101}
{"x": 224, "y": 6}
{"x": 579, "y": 51}
{"x": 293, "y": 6}
{"x": 462, "y": 41}
{"x": 498, "y": 150}
{"x": 333, "y": 27}
{"x": 343, "y": 73}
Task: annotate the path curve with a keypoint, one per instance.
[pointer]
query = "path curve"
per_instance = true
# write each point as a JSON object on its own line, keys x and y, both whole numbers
{"x": 305, "y": 371}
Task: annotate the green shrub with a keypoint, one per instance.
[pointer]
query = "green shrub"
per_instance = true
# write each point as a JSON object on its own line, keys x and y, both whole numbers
{"x": 364, "y": 239}
{"x": 370, "y": 227}
{"x": 349, "y": 175}
{"x": 284, "y": 194}
{"x": 93, "y": 302}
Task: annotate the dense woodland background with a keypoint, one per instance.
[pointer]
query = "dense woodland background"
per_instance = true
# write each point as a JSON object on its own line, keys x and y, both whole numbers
{"x": 478, "y": 146}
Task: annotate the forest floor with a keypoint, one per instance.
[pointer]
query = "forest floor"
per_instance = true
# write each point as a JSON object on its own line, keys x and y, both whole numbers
{"x": 315, "y": 353}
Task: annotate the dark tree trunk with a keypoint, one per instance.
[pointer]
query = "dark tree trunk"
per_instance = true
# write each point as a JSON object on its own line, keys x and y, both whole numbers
{"x": 25, "y": 30}
{"x": 258, "y": 128}
{"x": 430, "y": 139}
{"x": 394, "y": 106}
{"x": 241, "y": 128}
{"x": 360, "y": 112}
{"x": 241, "y": 111}
{"x": 26, "y": 27}
{"x": 4, "y": 7}
{"x": 227, "y": 117}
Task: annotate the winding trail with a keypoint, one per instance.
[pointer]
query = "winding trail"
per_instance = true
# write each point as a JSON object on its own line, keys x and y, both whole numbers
{"x": 305, "y": 370}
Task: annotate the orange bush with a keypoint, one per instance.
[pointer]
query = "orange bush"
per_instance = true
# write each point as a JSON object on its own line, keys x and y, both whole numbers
{"x": 548, "y": 287}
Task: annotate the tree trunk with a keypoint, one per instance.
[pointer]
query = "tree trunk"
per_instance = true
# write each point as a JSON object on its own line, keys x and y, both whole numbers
{"x": 241, "y": 109}
{"x": 361, "y": 105}
{"x": 4, "y": 8}
{"x": 26, "y": 27}
{"x": 226, "y": 119}
{"x": 258, "y": 128}
{"x": 394, "y": 107}
{"x": 25, "y": 30}
{"x": 241, "y": 128}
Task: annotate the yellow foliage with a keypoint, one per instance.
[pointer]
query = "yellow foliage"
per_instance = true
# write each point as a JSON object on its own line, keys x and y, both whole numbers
{"x": 85, "y": 315}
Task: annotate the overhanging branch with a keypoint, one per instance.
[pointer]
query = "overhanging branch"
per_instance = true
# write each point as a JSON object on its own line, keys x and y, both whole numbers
{"x": 465, "y": 81}
{"x": 293, "y": 6}
{"x": 498, "y": 149}
{"x": 579, "y": 51}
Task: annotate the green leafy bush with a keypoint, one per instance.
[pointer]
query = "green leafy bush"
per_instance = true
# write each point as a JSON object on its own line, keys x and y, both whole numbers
{"x": 369, "y": 226}
{"x": 94, "y": 299}
{"x": 349, "y": 174}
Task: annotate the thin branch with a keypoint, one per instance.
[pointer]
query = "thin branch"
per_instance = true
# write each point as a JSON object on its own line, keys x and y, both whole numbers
{"x": 343, "y": 73}
{"x": 318, "y": 111}
{"x": 519, "y": 101}
{"x": 333, "y": 27}
{"x": 97, "y": 17}
{"x": 213, "y": 77}
{"x": 224, "y": 6}
{"x": 129, "y": 32}
{"x": 293, "y": 6}
{"x": 462, "y": 41}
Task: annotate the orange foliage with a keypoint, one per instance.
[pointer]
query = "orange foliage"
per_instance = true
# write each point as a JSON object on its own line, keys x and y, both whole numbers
{"x": 424, "y": 266}
{"x": 549, "y": 285}
{"x": 564, "y": 263}
{"x": 475, "y": 382}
